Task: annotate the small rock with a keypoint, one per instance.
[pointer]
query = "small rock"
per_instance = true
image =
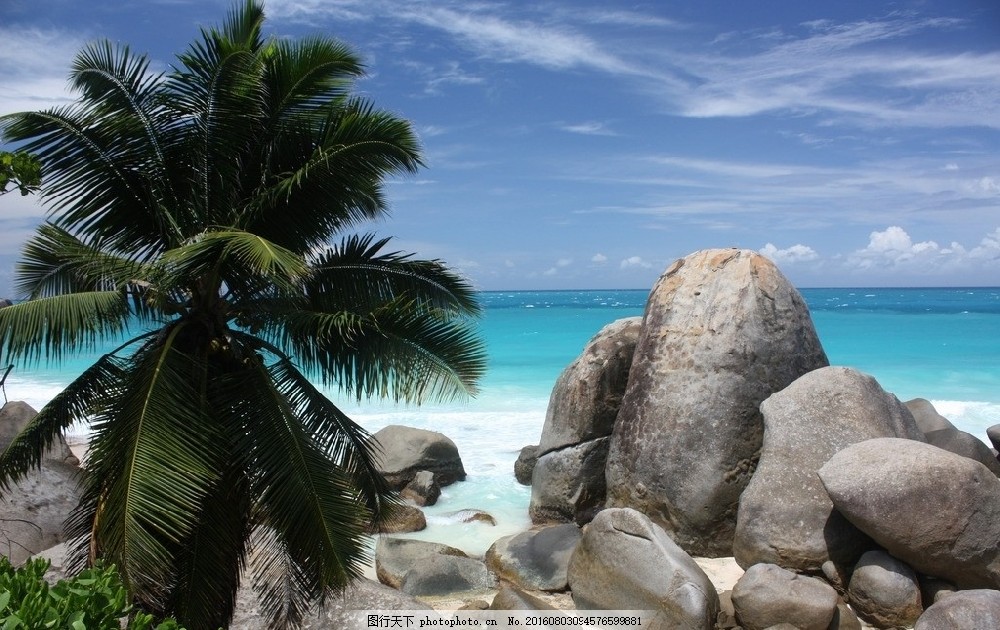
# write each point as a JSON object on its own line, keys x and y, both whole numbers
{"x": 768, "y": 595}
{"x": 525, "y": 464}
{"x": 512, "y": 598}
{"x": 395, "y": 556}
{"x": 404, "y": 519}
{"x": 472, "y": 516}
{"x": 423, "y": 489}
{"x": 885, "y": 591}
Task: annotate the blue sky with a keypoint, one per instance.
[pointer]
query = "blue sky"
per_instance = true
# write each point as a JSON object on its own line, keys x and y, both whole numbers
{"x": 585, "y": 144}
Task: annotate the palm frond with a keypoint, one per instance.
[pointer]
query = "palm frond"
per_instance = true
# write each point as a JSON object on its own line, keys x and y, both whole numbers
{"x": 54, "y": 326}
{"x": 245, "y": 262}
{"x": 73, "y": 405}
{"x": 152, "y": 463}
{"x": 54, "y": 262}
{"x": 316, "y": 516}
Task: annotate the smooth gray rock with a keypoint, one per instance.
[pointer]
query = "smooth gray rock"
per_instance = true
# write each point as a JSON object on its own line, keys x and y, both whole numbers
{"x": 423, "y": 489}
{"x": 884, "y": 591}
{"x": 625, "y": 561}
{"x": 722, "y": 331}
{"x": 767, "y": 595}
{"x": 536, "y": 559}
{"x": 964, "y": 610}
{"x": 568, "y": 485}
{"x": 394, "y": 557}
{"x": 471, "y": 516}
{"x": 445, "y": 575}
{"x": 993, "y": 433}
{"x": 524, "y": 466}
{"x": 33, "y": 511}
{"x": 585, "y": 399}
{"x": 406, "y": 450}
{"x": 785, "y": 516}
{"x": 936, "y": 511}
{"x": 966, "y": 445}
{"x": 927, "y": 417}
{"x": 510, "y": 597}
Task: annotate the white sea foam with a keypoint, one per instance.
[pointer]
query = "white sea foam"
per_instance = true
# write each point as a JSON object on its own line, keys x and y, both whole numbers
{"x": 970, "y": 416}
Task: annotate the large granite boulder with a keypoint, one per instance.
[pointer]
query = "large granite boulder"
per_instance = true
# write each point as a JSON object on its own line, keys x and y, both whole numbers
{"x": 768, "y": 595}
{"x": 394, "y": 557}
{"x": 510, "y": 597}
{"x": 567, "y": 482}
{"x": 965, "y": 444}
{"x": 625, "y": 561}
{"x": 785, "y": 516}
{"x": 585, "y": 399}
{"x": 964, "y": 610}
{"x": 884, "y": 591}
{"x": 524, "y": 465}
{"x": 405, "y": 451}
{"x": 442, "y": 574}
{"x": 927, "y": 417}
{"x": 33, "y": 511}
{"x": 535, "y": 560}
{"x": 722, "y": 331}
{"x": 936, "y": 511}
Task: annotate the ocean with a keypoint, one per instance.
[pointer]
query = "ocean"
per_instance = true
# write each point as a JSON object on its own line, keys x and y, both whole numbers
{"x": 942, "y": 344}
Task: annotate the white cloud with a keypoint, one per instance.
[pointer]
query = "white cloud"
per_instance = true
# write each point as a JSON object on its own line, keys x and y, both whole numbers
{"x": 564, "y": 262}
{"x": 599, "y": 258}
{"x": 795, "y": 253}
{"x": 635, "y": 261}
{"x": 35, "y": 64}
{"x": 591, "y": 128}
{"x": 894, "y": 249}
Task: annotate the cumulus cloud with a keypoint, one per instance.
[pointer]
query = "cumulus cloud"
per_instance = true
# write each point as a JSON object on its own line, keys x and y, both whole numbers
{"x": 635, "y": 261}
{"x": 893, "y": 248}
{"x": 599, "y": 258}
{"x": 795, "y": 253}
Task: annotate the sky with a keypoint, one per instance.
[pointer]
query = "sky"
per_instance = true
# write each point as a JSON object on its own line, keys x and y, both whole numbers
{"x": 575, "y": 144}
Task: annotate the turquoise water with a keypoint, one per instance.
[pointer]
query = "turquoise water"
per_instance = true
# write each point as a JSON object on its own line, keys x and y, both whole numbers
{"x": 939, "y": 344}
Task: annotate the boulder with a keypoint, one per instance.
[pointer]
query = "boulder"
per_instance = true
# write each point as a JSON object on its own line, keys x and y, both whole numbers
{"x": 585, "y": 399}
{"x": 510, "y": 597}
{"x": 440, "y": 574}
{"x": 524, "y": 466}
{"x": 785, "y": 516}
{"x": 625, "y": 561}
{"x": 927, "y": 417}
{"x": 535, "y": 560}
{"x": 471, "y": 516}
{"x": 722, "y": 331}
{"x": 933, "y": 589}
{"x": 768, "y": 595}
{"x": 936, "y": 511}
{"x": 993, "y": 433}
{"x": 568, "y": 485}
{"x": 395, "y": 556}
{"x": 966, "y": 445}
{"x": 884, "y": 591}
{"x": 976, "y": 608}
{"x": 405, "y": 518}
{"x": 406, "y": 450}
{"x": 845, "y": 618}
{"x": 422, "y": 490}
{"x": 33, "y": 511}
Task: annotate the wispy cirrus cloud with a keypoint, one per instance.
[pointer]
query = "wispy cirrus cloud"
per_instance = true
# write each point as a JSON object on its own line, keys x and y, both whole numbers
{"x": 35, "y": 63}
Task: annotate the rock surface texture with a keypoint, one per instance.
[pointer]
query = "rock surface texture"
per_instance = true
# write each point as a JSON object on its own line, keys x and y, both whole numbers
{"x": 785, "y": 515}
{"x": 885, "y": 591}
{"x": 965, "y": 610}
{"x": 722, "y": 331}
{"x": 405, "y": 451}
{"x": 768, "y": 595}
{"x": 537, "y": 559}
{"x": 627, "y": 562}
{"x": 568, "y": 478}
{"x": 32, "y": 512}
{"x": 936, "y": 511}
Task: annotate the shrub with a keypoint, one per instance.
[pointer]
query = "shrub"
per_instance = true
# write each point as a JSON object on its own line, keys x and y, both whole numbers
{"x": 93, "y": 600}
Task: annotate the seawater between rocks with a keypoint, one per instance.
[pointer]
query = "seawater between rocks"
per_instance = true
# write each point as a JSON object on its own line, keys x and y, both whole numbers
{"x": 942, "y": 344}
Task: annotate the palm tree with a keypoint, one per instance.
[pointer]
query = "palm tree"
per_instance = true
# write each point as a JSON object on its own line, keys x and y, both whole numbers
{"x": 200, "y": 215}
